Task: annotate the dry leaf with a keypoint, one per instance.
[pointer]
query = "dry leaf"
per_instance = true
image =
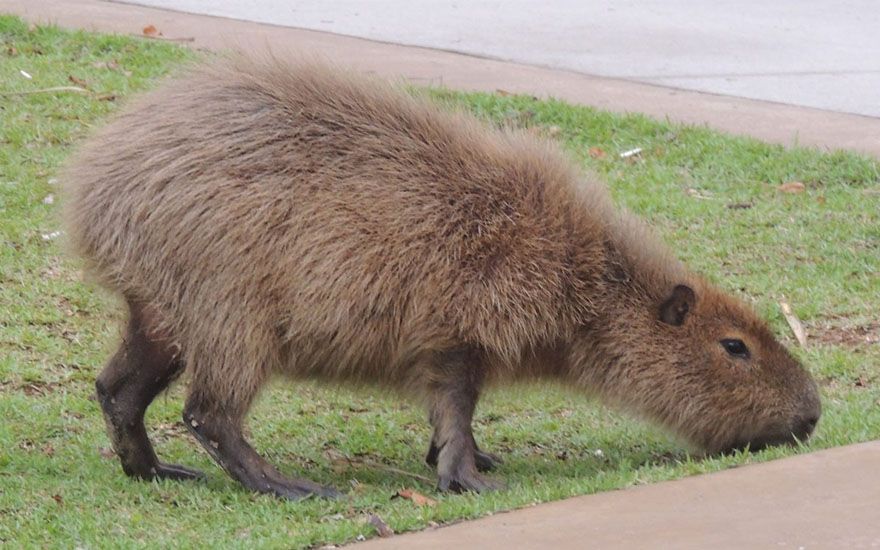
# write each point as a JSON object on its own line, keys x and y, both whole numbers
{"x": 381, "y": 527}
{"x": 792, "y": 187}
{"x": 78, "y": 81}
{"x": 106, "y": 97}
{"x": 11, "y": 51}
{"x": 58, "y": 500}
{"x": 417, "y": 498}
{"x": 502, "y": 93}
{"x": 32, "y": 27}
{"x": 151, "y": 30}
{"x": 48, "y": 449}
{"x": 597, "y": 153}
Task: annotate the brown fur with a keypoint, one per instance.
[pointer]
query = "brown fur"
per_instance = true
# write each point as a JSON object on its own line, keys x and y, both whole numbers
{"x": 297, "y": 219}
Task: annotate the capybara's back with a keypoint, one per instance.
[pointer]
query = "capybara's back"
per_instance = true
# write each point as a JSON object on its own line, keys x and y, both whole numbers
{"x": 263, "y": 217}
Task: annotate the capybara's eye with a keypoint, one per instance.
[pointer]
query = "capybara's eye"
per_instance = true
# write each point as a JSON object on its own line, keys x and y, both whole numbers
{"x": 735, "y": 347}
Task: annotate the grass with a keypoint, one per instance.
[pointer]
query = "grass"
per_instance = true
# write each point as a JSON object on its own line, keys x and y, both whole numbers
{"x": 715, "y": 198}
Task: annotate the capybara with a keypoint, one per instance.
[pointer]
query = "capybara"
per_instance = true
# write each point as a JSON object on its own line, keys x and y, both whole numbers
{"x": 265, "y": 217}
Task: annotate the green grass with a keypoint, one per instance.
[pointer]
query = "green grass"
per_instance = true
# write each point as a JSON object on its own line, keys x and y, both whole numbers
{"x": 819, "y": 250}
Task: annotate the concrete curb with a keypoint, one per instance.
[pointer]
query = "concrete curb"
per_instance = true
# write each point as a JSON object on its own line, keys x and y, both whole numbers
{"x": 777, "y": 123}
{"x": 827, "y": 499}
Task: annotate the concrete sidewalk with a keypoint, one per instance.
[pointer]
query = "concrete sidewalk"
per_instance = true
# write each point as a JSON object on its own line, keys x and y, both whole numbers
{"x": 815, "y": 53}
{"x": 772, "y": 122}
{"x": 828, "y": 499}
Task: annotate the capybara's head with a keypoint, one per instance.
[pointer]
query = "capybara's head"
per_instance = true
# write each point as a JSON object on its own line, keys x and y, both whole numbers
{"x": 703, "y": 364}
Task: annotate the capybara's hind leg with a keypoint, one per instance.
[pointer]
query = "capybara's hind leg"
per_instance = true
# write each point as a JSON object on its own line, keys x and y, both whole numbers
{"x": 454, "y": 383}
{"x": 221, "y": 435}
{"x": 143, "y": 366}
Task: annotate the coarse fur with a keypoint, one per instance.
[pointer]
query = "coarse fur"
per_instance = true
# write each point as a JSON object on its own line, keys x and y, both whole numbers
{"x": 268, "y": 217}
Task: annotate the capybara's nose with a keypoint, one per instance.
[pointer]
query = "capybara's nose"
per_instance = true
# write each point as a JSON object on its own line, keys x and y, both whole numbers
{"x": 804, "y": 426}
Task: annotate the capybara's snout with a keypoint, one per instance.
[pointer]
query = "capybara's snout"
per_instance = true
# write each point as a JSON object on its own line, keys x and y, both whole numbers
{"x": 796, "y": 428}
{"x": 805, "y": 420}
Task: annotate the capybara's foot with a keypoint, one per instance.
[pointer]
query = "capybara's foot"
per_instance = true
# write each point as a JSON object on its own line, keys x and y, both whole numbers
{"x": 221, "y": 436}
{"x": 175, "y": 472}
{"x": 297, "y": 489}
{"x": 485, "y": 462}
{"x": 461, "y": 482}
{"x": 457, "y": 468}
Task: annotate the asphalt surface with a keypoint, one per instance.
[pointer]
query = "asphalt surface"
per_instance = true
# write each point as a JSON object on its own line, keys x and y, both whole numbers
{"x": 815, "y": 53}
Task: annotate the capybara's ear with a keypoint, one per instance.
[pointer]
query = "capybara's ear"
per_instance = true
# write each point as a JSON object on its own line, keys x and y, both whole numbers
{"x": 676, "y": 307}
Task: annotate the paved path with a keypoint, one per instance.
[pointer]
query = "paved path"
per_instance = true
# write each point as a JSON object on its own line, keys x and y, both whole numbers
{"x": 814, "y": 53}
{"x": 829, "y": 499}
{"x": 773, "y": 122}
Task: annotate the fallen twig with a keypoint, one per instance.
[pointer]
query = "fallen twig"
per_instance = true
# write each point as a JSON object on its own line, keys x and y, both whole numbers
{"x": 53, "y": 89}
{"x": 338, "y": 457}
{"x": 794, "y": 323}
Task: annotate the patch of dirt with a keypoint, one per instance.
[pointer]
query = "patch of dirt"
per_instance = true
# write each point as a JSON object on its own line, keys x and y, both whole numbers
{"x": 169, "y": 430}
{"x": 846, "y": 335}
{"x": 37, "y": 388}
{"x": 55, "y": 268}
{"x": 849, "y": 383}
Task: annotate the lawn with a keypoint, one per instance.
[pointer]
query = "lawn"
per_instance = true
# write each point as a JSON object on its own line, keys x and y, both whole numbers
{"x": 716, "y": 199}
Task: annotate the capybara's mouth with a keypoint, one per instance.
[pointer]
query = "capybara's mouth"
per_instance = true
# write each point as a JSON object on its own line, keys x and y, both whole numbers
{"x": 799, "y": 432}
{"x": 759, "y": 444}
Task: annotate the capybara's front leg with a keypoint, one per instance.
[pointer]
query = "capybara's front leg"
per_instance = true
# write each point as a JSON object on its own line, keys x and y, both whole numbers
{"x": 221, "y": 435}
{"x": 455, "y": 379}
